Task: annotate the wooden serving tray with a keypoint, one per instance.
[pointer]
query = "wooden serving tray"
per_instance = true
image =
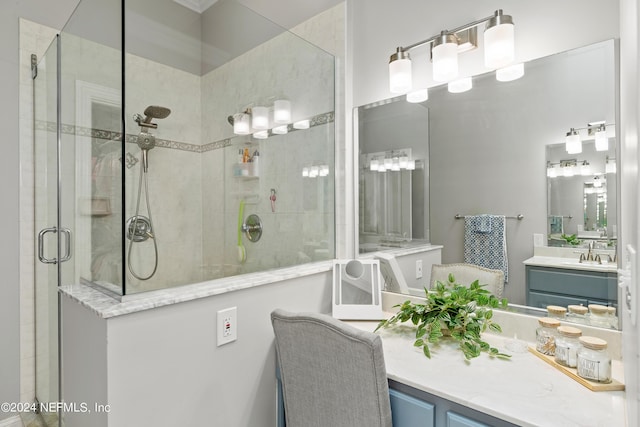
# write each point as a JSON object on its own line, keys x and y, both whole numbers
{"x": 614, "y": 385}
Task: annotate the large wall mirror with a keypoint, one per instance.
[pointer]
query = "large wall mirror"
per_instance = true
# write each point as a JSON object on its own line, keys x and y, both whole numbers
{"x": 486, "y": 151}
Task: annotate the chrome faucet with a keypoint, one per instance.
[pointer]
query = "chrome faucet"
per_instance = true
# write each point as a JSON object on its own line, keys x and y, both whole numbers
{"x": 590, "y": 253}
{"x": 582, "y": 257}
{"x": 598, "y": 259}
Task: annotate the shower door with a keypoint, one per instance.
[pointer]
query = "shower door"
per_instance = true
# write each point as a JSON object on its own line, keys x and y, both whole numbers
{"x": 51, "y": 245}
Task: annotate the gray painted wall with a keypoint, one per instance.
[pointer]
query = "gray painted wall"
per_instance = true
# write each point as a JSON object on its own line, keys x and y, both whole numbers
{"x": 53, "y": 15}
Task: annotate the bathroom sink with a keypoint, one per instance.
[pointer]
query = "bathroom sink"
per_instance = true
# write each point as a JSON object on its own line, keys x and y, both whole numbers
{"x": 590, "y": 265}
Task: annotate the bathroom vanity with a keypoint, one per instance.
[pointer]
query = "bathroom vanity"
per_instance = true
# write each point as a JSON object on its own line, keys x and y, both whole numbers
{"x": 522, "y": 391}
{"x": 563, "y": 281}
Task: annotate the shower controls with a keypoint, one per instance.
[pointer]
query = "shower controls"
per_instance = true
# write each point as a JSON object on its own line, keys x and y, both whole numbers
{"x": 139, "y": 228}
{"x": 252, "y": 228}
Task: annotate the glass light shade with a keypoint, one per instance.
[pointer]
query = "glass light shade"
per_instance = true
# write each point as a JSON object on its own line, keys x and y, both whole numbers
{"x": 445, "y": 61}
{"x": 404, "y": 161}
{"x": 419, "y": 95}
{"x": 382, "y": 168}
{"x": 260, "y": 118}
{"x": 585, "y": 169}
{"x": 305, "y": 172}
{"x": 568, "y": 171}
{"x": 499, "y": 45}
{"x": 373, "y": 165}
{"x": 314, "y": 171}
{"x": 461, "y": 85}
{"x": 400, "y": 79}
{"x": 324, "y": 170}
{"x": 573, "y": 142}
{"x": 388, "y": 162}
{"x": 282, "y": 111}
{"x": 242, "y": 124}
{"x": 262, "y": 134}
{"x": 602, "y": 142}
{"x": 552, "y": 172}
{"x": 280, "y": 130}
{"x": 597, "y": 183}
{"x": 395, "y": 164}
{"x": 411, "y": 165}
{"x": 512, "y": 72}
{"x": 302, "y": 124}
{"x": 610, "y": 166}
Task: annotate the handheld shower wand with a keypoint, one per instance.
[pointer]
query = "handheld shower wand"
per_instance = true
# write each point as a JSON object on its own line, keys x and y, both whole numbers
{"x": 139, "y": 227}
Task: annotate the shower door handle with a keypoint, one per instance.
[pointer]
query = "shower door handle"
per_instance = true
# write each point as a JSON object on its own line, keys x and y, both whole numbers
{"x": 67, "y": 241}
{"x": 41, "y": 256}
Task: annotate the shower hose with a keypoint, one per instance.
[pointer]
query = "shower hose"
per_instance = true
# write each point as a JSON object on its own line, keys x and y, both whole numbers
{"x": 143, "y": 176}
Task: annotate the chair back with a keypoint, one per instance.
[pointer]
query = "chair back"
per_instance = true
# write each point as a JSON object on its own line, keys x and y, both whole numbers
{"x": 333, "y": 374}
{"x": 465, "y": 274}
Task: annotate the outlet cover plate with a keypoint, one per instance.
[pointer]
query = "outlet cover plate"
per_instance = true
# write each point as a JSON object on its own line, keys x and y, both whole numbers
{"x": 227, "y": 325}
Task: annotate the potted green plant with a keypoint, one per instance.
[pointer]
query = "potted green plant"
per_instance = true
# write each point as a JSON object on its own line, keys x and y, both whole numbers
{"x": 456, "y": 311}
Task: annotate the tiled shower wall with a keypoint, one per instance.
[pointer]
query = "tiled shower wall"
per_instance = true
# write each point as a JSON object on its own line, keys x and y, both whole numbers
{"x": 186, "y": 205}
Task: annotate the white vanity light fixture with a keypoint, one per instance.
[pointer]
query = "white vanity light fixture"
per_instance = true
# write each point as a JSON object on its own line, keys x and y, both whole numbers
{"x": 305, "y": 172}
{"x": 400, "y": 80}
{"x": 324, "y": 170}
{"x": 585, "y": 168}
{"x": 568, "y": 171}
{"x": 403, "y": 161}
{"x": 461, "y": 85}
{"x": 610, "y": 165}
{"x": 280, "y": 130}
{"x": 260, "y": 118}
{"x": 411, "y": 165}
{"x": 417, "y": 96}
{"x": 374, "y": 165}
{"x": 499, "y": 45}
{"x": 242, "y": 123}
{"x": 597, "y": 182}
{"x": 444, "y": 56}
{"x": 499, "y": 41}
{"x": 552, "y": 171}
{"x": 261, "y": 134}
{"x": 510, "y": 73}
{"x": 573, "y": 142}
{"x": 602, "y": 141}
{"x": 282, "y": 111}
{"x": 314, "y": 171}
{"x": 301, "y": 124}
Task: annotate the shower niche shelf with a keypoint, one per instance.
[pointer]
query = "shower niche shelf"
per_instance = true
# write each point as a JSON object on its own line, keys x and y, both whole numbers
{"x": 245, "y": 171}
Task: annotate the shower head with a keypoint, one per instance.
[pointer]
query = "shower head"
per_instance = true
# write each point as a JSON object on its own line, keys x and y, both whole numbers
{"x": 155, "y": 112}
{"x": 151, "y": 112}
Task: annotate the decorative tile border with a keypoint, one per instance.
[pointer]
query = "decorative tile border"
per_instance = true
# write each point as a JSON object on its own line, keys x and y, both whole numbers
{"x": 319, "y": 120}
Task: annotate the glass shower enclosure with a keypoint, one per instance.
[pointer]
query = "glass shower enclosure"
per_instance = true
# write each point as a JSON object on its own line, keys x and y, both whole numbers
{"x": 176, "y": 146}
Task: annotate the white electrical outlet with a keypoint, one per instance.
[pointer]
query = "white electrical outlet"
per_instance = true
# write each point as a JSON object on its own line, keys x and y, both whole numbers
{"x": 419, "y": 269}
{"x": 227, "y": 325}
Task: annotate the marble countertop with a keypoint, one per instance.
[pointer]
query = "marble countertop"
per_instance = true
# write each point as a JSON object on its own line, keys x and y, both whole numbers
{"x": 106, "y": 306}
{"x": 523, "y": 390}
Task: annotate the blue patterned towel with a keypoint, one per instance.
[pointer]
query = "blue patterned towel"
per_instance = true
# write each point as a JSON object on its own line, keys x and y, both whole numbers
{"x": 486, "y": 249}
{"x": 482, "y": 223}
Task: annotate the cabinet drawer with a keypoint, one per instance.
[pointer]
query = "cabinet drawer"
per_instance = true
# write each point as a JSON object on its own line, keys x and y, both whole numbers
{"x": 407, "y": 411}
{"x": 456, "y": 420}
{"x": 542, "y": 300}
{"x": 586, "y": 285}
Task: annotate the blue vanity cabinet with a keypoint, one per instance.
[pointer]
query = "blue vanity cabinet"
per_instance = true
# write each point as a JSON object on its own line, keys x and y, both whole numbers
{"x": 456, "y": 420}
{"x": 557, "y": 286}
{"x": 408, "y": 411}
{"x": 411, "y": 407}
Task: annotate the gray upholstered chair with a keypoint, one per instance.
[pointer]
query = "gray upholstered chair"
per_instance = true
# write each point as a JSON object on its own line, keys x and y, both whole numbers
{"x": 465, "y": 274}
{"x": 333, "y": 375}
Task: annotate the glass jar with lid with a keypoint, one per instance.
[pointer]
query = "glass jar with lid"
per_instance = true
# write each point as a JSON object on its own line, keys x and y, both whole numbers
{"x": 546, "y": 335}
{"x": 556, "y": 312}
{"x": 577, "y": 313}
{"x": 567, "y": 345}
{"x": 593, "y": 361}
{"x": 599, "y": 315}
